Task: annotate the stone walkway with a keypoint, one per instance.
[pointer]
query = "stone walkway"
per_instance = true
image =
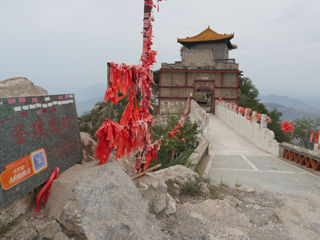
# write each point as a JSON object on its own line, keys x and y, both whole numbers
{"x": 236, "y": 161}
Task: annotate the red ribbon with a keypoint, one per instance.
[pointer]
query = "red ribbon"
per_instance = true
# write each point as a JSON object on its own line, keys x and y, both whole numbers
{"x": 317, "y": 137}
{"x": 311, "y": 136}
{"x": 43, "y": 195}
{"x": 175, "y": 130}
{"x": 247, "y": 114}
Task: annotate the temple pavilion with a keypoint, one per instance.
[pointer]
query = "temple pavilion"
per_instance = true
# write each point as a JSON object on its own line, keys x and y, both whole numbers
{"x": 205, "y": 73}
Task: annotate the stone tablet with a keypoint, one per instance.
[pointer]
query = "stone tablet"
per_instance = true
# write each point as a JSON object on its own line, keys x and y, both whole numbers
{"x": 37, "y": 134}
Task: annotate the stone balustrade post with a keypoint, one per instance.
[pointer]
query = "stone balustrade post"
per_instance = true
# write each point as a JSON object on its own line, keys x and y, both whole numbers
{"x": 254, "y": 117}
{"x": 263, "y": 127}
{"x": 246, "y": 112}
{"x": 263, "y": 121}
{"x": 235, "y": 109}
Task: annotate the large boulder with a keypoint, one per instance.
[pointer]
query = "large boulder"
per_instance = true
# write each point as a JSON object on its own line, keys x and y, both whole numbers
{"x": 127, "y": 164}
{"x": 20, "y": 87}
{"x": 154, "y": 190}
{"x": 175, "y": 177}
{"x": 88, "y": 147}
{"x": 101, "y": 202}
{"x": 15, "y": 209}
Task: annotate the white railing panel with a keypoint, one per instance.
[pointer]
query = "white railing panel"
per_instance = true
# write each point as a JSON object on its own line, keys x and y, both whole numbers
{"x": 197, "y": 113}
{"x": 258, "y": 134}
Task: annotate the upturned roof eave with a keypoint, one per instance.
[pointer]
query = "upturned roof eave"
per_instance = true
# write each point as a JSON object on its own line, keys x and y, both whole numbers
{"x": 229, "y": 44}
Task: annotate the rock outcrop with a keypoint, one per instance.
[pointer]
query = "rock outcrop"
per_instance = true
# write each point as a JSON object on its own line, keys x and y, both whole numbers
{"x": 127, "y": 164}
{"x": 20, "y": 87}
{"x": 175, "y": 177}
{"x": 88, "y": 147}
{"x": 154, "y": 190}
{"x": 101, "y": 202}
{"x": 14, "y": 210}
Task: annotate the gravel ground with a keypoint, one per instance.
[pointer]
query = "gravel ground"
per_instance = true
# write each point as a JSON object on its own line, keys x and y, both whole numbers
{"x": 228, "y": 213}
{"x": 244, "y": 213}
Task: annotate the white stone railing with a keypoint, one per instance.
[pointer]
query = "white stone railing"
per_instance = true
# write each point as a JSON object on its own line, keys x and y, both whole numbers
{"x": 197, "y": 113}
{"x": 258, "y": 134}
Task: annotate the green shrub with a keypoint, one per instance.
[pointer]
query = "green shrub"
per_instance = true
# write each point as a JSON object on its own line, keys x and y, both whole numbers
{"x": 194, "y": 185}
{"x": 175, "y": 151}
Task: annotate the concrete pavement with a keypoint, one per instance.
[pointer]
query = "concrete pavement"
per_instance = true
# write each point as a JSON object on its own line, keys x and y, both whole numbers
{"x": 236, "y": 161}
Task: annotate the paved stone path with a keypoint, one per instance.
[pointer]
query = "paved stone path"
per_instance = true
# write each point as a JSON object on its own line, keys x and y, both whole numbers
{"x": 237, "y": 161}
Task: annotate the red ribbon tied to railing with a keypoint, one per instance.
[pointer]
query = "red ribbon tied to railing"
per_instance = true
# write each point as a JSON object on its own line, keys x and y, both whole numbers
{"x": 287, "y": 127}
{"x": 248, "y": 112}
{"x": 259, "y": 117}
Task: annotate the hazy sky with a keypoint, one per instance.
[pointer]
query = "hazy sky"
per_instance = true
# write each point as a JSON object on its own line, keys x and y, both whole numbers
{"x": 69, "y": 42}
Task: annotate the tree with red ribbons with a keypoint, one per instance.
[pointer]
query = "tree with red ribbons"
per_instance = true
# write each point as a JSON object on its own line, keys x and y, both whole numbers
{"x": 304, "y": 128}
{"x": 134, "y": 131}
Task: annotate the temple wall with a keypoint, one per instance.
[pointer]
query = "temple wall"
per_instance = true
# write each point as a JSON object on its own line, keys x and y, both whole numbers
{"x": 230, "y": 80}
{"x": 220, "y": 50}
{"x": 177, "y": 79}
{"x": 173, "y": 79}
{"x": 225, "y": 93}
{"x": 176, "y": 92}
{"x": 173, "y": 106}
{"x": 191, "y": 76}
{"x": 197, "y": 58}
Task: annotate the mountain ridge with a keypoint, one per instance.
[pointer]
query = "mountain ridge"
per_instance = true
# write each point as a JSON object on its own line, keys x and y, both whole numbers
{"x": 289, "y": 102}
{"x": 290, "y": 114}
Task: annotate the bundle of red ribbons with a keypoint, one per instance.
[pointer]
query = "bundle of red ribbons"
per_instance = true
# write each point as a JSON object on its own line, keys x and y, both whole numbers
{"x": 287, "y": 127}
{"x": 133, "y": 133}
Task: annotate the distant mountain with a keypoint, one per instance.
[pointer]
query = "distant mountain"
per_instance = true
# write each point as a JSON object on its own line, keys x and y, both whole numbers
{"x": 95, "y": 90}
{"x": 290, "y": 114}
{"x": 61, "y": 89}
{"x": 87, "y": 105}
{"x": 289, "y": 102}
{"x": 81, "y": 94}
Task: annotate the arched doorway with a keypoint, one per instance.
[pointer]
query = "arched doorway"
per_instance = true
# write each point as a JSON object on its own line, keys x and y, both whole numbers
{"x": 204, "y": 96}
{"x": 204, "y": 93}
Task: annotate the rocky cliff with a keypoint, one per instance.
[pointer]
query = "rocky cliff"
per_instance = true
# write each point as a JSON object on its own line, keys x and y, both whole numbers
{"x": 20, "y": 86}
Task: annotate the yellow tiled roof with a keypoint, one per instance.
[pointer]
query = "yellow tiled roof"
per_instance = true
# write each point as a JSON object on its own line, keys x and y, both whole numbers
{"x": 205, "y": 36}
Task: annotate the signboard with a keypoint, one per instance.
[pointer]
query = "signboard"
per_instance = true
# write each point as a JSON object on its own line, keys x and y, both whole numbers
{"x": 316, "y": 147}
{"x": 204, "y": 76}
{"x": 37, "y": 134}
